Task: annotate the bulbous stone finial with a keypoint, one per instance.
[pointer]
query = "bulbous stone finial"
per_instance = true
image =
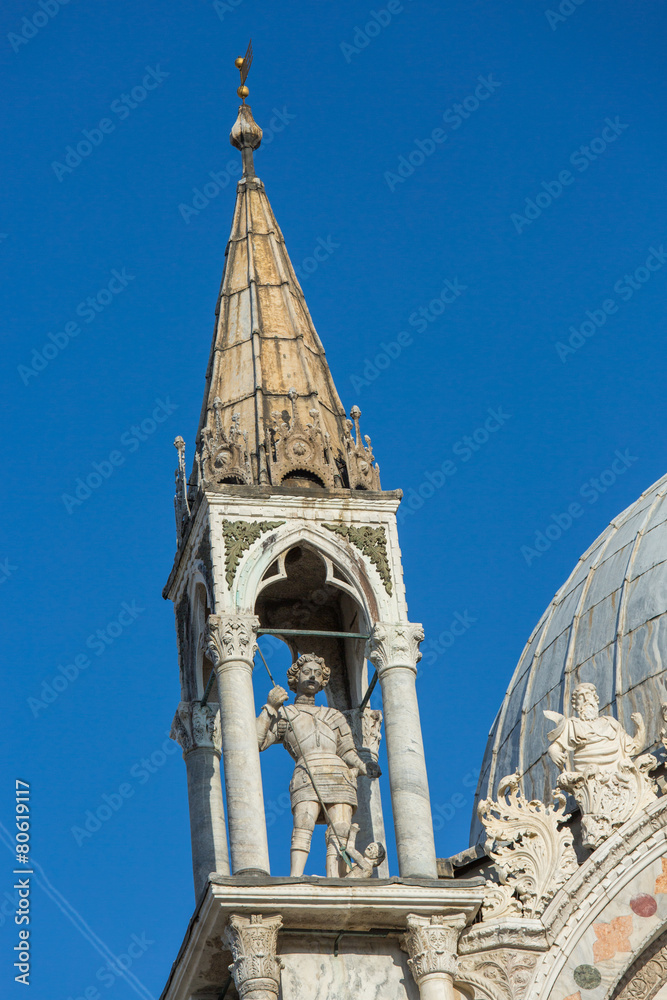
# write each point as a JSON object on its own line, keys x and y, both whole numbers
{"x": 246, "y": 135}
{"x": 245, "y": 132}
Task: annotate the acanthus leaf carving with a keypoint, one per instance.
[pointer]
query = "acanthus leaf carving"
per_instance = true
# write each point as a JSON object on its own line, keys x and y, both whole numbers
{"x": 528, "y": 844}
{"x": 432, "y": 944}
{"x": 499, "y": 975}
{"x": 395, "y": 645}
{"x": 239, "y": 536}
{"x": 253, "y": 942}
{"x": 371, "y": 542}
{"x": 197, "y": 726}
{"x": 231, "y": 637}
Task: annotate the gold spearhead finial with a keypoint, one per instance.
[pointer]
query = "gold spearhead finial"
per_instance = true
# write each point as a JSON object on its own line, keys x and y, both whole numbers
{"x": 243, "y": 64}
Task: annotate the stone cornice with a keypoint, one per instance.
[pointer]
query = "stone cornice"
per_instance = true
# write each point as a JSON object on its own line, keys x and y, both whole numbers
{"x": 314, "y": 904}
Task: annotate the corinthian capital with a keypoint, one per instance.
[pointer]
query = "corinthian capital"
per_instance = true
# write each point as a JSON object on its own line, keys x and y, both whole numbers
{"x": 253, "y": 943}
{"x": 231, "y": 637}
{"x": 395, "y": 646}
{"x": 432, "y": 944}
{"x": 197, "y": 726}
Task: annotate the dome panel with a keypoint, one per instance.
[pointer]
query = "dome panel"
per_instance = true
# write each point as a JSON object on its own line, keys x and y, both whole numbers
{"x": 606, "y": 625}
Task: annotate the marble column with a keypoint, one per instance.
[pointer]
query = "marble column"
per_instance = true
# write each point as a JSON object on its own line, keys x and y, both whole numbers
{"x": 253, "y": 942}
{"x": 432, "y": 944}
{"x": 230, "y": 645}
{"x": 394, "y": 651}
{"x": 197, "y": 729}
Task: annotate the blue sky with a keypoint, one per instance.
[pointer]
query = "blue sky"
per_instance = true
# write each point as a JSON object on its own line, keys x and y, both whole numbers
{"x": 483, "y": 176}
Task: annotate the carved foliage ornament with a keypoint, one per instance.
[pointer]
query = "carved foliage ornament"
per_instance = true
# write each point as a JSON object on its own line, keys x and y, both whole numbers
{"x": 501, "y": 975}
{"x": 253, "y": 943}
{"x": 223, "y": 456}
{"x": 534, "y": 856}
{"x": 239, "y": 536}
{"x": 647, "y": 975}
{"x": 432, "y": 944}
{"x": 230, "y": 637}
{"x": 395, "y": 645}
{"x": 372, "y": 542}
{"x": 197, "y": 726}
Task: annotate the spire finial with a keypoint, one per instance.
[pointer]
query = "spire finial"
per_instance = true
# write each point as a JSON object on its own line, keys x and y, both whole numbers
{"x": 243, "y": 64}
{"x": 246, "y": 134}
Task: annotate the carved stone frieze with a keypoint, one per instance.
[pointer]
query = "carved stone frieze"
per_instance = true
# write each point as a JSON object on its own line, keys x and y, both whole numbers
{"x": 239, "y": 536}
{"x": 395, "y": 646}
{"x": 371, "y": 542}
{"x": 499, "y": 975}
{"x": 362, "y": 470}
{"x": 529, "y": 846}
{"x": 296, "y": 446}
{"x": 595, "y": 754}
{"x": 197, "y": 726}
{"x": 253, "y": 943}
{"x": 222, "y": 455}
{"x": 432, "y": 944}
{"x": 231, "y": 637}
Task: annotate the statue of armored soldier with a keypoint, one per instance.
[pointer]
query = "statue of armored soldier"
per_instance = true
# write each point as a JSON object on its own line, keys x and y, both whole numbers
{"x": 320, "y": 741}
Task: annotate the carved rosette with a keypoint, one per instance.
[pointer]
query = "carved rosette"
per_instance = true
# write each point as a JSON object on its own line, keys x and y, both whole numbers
{"x": 395, "y": 646}
{"x": 231, "y": 637}
{"x": 197, "y": 727}
{"x": 253, "y": 942}
{"x": 432, "y": 944}
{"x": 534, "y": 855}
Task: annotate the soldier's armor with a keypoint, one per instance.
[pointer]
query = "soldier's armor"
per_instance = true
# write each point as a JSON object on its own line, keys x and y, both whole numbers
{"x": 325, "y": 739}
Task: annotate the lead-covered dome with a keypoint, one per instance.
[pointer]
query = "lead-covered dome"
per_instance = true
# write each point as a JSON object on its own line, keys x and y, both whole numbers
{"x": 607, "y": 625}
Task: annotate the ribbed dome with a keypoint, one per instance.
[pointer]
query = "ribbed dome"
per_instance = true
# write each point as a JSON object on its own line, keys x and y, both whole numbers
{"x": 606, "y": 625}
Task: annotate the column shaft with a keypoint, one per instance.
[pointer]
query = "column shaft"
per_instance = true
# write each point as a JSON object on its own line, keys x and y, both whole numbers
{"x": 394, "y": 649}
{"x": 231, "y": 645}
{"x": 207, "y": 816}
{"x": 197, "y": 729}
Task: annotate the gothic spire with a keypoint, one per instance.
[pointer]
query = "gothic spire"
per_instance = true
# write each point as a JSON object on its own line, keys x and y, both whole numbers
{"x": 271, "y": 413}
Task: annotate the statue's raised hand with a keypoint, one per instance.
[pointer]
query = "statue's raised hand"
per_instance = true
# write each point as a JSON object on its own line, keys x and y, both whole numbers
{"x": 277, "y": 696}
